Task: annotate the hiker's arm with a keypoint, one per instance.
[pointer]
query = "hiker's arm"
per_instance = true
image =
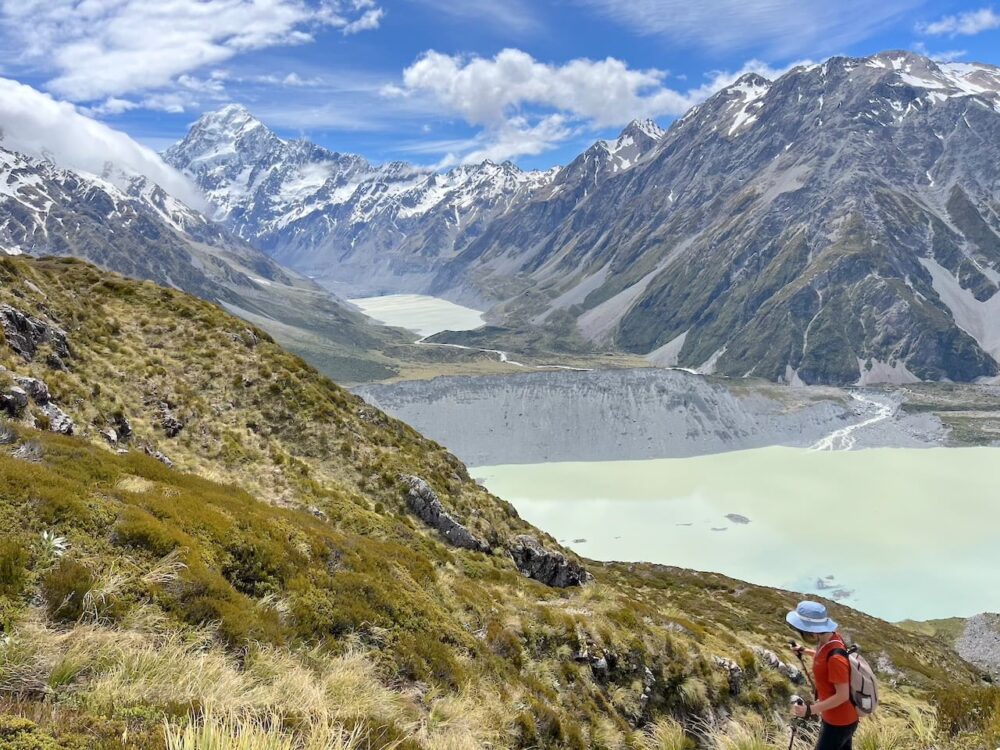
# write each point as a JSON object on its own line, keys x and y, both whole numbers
{"x": 798, "y": 649}
{"x": 841, "y": 696}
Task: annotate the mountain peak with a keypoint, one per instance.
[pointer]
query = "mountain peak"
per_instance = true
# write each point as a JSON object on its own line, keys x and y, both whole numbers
{"x": 747, "y": 80}
{"x": 232, "y": 118}
{"x": 646, "y": 127}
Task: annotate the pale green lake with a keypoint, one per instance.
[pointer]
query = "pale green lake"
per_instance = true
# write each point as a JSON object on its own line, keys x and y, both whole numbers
{"x": 898, "y": 533}
{"x": 420, "y": 313}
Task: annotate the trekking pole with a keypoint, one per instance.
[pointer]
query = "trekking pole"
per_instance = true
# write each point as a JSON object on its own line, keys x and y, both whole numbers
{"x": 796, "y": 700}
{"x": 798, "y": 653}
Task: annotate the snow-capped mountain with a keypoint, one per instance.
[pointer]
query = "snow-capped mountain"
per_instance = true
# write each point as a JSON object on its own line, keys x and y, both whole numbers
{"x": 124, "y": 222}
{"x": 840, "y": 224}
{"x": 357, "y": 226}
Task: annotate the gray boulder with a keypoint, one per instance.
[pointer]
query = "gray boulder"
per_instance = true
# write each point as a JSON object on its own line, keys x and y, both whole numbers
{"x": 426, "y": 505}
{"x": 25, "y": 334}
{"x": 546, "y": 566}
{"x": 35, "y": 388}
{"x": 14, "y": 401}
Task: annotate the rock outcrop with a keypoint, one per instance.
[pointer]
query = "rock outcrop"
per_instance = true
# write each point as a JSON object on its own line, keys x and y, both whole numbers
{"x": 26, "y": 335}
{"x": 544, "y": 565}
{"x": 35, "y": 388}
{"x": 14, "y": 401}
{"x": 733, "y": 670}
{"x": 153, "y": 453}
{"x": 425, "y": 504}
{"x": 169, "y": 421}
{"x": 771, "y": 660}
{"x": 59, "y": 421}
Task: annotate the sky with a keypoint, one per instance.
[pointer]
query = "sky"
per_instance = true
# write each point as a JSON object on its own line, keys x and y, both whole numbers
{"x": 441, "y": 82}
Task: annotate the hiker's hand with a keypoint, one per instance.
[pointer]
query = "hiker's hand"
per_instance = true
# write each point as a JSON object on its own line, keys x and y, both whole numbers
{"x": 798, "y": 649}
{"x": 799, "y": 710}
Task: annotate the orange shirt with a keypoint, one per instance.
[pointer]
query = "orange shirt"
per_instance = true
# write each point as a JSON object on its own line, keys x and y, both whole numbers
{"x": 831, "y": 672}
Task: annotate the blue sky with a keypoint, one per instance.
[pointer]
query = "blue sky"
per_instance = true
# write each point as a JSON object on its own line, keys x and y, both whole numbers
{"x": 444, "y": 81}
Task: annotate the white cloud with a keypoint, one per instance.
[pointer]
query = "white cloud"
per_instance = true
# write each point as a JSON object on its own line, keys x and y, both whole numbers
{"x": 969, "y": 23}
{"x": 942, "y": 57}
{"x": 525, "y": 107}
{"x": 484, "y": 91}
{"x": 510, "y": 15}
{"x": 369, "y": 20}
{"x": 515, "y": 137}
{"x": 34, "y": 123}
{"x": 109, "y": 48}
{"x": 782, "y": 28}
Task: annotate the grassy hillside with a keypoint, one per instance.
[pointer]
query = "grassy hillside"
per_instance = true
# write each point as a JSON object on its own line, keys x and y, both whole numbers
{"x": 272, "y": 587}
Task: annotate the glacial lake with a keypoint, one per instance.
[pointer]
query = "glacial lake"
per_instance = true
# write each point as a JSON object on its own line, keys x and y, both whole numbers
{"x": 898, "y": 533}
{"x": 420, "y": 313}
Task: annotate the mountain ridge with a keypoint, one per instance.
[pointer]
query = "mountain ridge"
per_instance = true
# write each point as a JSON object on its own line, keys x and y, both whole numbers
{"x": 837, "y": 225}
{"x": 720, "y": 247}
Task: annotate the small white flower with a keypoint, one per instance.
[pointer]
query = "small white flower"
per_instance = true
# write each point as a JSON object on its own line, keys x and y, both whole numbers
{"x": 54, "y": 545}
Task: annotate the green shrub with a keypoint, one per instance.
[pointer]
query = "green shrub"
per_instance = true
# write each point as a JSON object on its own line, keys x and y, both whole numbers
{"x": 64, "y": 588}
{"x": 425, "y": 658}
{"x": 140, "y": 529}
{"x": 13, "y": 567}
{"x": 21, "y": 734}
{"x": 256, "y": 568}
{"x": 968, "y": 709}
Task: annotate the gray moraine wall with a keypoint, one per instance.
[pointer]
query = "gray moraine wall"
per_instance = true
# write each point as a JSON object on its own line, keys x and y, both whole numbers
{"x": 636, "y": 414}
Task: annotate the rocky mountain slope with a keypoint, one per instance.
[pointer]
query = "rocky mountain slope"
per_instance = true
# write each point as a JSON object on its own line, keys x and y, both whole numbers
{"x": 358, "y": 227}
{"x": 837, "y": 225}
{"x": 126, "y": 223}
{"x": 976, "y": 638}
{"x": 229, "y": 545}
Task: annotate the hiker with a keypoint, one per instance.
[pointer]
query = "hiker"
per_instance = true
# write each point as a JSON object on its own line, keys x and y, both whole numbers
{"x": 831, "y": 677}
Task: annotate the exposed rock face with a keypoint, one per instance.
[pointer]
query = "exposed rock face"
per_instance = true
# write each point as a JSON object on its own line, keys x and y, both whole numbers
{"x": 25, "y": 334}
{"x": 122, "y": 428}
{"x": 546, "y": 566}
{"x": 980, "y": 643}
{"x": 426, "y": 505}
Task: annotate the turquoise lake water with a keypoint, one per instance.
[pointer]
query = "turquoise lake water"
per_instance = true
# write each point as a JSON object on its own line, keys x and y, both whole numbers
{"x": 898, "y": 533}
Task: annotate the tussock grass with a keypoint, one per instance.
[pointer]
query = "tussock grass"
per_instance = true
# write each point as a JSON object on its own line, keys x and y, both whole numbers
{"x": 215, "y": 731}
{"x": 666, "y": 734}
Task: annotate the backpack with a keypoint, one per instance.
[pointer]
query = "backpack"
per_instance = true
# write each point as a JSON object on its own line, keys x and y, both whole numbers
{"x": 864, "y": 690}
